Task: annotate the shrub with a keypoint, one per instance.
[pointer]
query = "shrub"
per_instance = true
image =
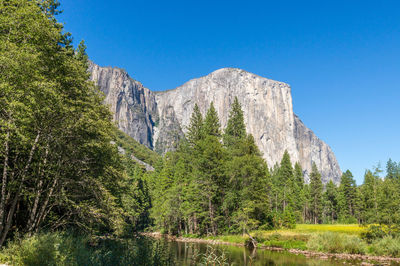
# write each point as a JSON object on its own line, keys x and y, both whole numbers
{"x": 337, "y": 243}
{"x": 373, "y": 232}
{"x": 386, "y": 246}
{"x": 286, "y": 244}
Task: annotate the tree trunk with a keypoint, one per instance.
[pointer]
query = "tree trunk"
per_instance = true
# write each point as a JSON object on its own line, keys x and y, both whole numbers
{"x": 211, "y": 211}
{"x": 4, "y": 182}
{"x": 42, "y": 214}
{"x": 38, "y": 193}
{"x": 16, "y": 197}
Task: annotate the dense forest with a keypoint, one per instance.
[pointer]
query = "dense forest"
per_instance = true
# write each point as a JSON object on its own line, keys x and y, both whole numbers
{"x": 217, "y": 182}
{"x": 65, "y": 166}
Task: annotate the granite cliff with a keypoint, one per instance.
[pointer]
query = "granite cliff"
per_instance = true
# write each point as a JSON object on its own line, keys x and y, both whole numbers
{"x": 159, "y": 119}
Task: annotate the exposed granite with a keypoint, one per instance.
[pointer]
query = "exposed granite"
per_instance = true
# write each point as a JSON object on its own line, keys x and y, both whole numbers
{"x": 159, "y": 119}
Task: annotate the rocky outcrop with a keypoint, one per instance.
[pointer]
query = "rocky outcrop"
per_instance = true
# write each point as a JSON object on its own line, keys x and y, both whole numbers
{"x": 132, "y": 105}
{"x": 159, "y": 119}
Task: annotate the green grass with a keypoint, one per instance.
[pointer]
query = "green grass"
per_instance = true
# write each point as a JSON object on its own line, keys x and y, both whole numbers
{"x": 334, "y": 242}
{"x": 319, "y": 237}
{"x": 332, "y": 238}
{"x": 237, "y": 239}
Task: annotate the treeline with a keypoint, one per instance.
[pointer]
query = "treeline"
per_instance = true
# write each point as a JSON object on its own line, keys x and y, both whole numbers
{"x": 61, "y": 170}
{"x": 59, "y": 166}
{"x": 217, "y": 182}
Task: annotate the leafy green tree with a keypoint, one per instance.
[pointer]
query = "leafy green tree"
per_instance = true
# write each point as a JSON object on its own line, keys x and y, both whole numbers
{"x": 59, "y": 168}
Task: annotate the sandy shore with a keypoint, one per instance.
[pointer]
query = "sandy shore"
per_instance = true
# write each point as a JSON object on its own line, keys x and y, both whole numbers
{"x": 321, "y": 255}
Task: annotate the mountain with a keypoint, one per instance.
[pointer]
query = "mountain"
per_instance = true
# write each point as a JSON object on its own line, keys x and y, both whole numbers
{"x": 159, "y": 119}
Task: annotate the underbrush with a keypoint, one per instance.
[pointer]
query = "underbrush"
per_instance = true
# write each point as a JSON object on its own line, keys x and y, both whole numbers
{"x": 45, "y": 249}
{"x": 68, "y": 249}
{"x": 238, "y": 239}
{"x": 337, "y": 243}
{"x": 387, "y": 246}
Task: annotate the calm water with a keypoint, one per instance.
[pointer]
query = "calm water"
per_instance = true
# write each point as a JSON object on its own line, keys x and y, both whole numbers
{"x": 147, "y": 251}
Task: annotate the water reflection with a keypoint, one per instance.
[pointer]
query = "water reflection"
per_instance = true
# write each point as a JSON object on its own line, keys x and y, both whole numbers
{"x": 148, "y": 251}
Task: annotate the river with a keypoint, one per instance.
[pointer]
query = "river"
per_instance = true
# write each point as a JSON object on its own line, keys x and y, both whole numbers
{"x": 149, "y": 251}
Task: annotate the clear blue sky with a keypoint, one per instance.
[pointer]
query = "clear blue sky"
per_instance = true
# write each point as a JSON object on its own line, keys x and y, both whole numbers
{"x": 342, "y": 58}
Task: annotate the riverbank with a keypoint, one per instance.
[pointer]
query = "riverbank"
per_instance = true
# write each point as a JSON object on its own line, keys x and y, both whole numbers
{"x": 366, "y": 259}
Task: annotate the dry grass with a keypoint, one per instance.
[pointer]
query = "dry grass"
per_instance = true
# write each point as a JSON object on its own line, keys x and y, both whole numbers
{"x": 352, "y": 229}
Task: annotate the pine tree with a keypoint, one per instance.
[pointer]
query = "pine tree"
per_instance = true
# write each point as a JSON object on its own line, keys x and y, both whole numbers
{"x": 298, "y": 194}
{"x": 195, "y": 129}
{"x": 392, "y": 169}
{"x": 369, "y": 191}
{"x": 212, "y": 127}
{"x": 330, "y": 202}
{"x": 286, "y": 181}
{"x": 235, "y": 129}
{"x": 211, "y": 161}
{"x": 315, "y": 194}
{"x": 81, "y": 54}
{"x": 347, "y": 197}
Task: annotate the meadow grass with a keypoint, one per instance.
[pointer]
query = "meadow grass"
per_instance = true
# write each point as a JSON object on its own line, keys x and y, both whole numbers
{"x": 352, "y": 229}
{"x": 302, "y": 232}
{"x": 333, "y": 238}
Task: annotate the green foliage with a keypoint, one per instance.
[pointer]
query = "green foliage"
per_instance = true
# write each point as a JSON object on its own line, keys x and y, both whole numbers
{"x": 195, "y": 129}
{"x": 209, "y": 188}
{"x": 59, "y": 167}
{"x": 235, "y": 129}
{"x": 69, "y": 249}
{"x": 132, "y": 147}
{"x": 386, "y": 246}
{"x": 347, "y": 197}
{"x": 337, "y": 243}
{"x": 286, "y": 244}
{"x": 392, "y": 169}
{"x": 315, "y": 194}
{"x": 330, "y": 202}
{"x": 372, "y": 233}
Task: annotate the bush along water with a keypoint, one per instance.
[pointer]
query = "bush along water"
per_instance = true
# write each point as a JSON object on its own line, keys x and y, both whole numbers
{"x": 337, "y": 243}
{"x": 69, "y": 249}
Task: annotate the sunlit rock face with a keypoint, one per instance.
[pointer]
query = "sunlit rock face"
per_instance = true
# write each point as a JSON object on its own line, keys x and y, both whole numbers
{"x": 160, "y": 119}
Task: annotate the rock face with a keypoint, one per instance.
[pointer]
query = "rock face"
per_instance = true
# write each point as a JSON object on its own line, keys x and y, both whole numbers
{"x": 133, "y": 105}
{"x": 159, "y": 119}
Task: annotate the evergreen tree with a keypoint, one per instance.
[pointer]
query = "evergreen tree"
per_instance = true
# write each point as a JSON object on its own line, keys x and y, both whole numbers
{"x": 315, "y": 194}
{"x": 212, "y": 127}
{"x": 195, "y": 129}
{"x": 347, "y": 197}
{"x": 211, "y": 169}
{"x": 235, "y": 129}
{"x": 81, "y": 54}
{"x": 369, "y": 191}
{"x": 392, "y": 169}
{"x": 330, "y": 202}
{"x": 298, "y": 193}
{"x": 286, "y": 181}
{"x": 388, "y": 198}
